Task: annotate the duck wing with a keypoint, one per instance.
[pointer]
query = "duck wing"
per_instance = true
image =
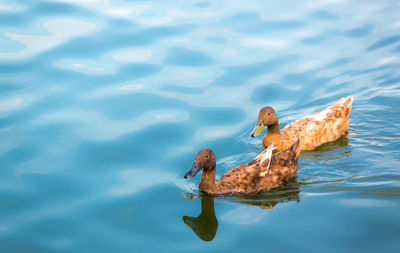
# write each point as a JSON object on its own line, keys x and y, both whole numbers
{"x": 264, "y": 172}
{"x": 324, "y": 126}
{"x": 243, "y": 178}
{"x": 283, "y": 167}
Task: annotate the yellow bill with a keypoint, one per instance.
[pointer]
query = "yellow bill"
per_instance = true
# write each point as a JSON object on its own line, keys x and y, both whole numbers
{"x": 258, "y": 129}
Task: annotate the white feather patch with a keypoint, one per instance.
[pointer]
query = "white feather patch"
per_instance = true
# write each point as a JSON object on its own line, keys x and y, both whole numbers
{"x": 266, "y": 154}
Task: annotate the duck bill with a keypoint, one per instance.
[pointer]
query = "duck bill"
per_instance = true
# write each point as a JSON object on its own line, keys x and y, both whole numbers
{"x": 193, "y": 171}
{"x": 258, "y": 129}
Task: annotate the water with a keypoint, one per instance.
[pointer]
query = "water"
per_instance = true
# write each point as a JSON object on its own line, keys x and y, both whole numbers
{"x": 104, "y": 104}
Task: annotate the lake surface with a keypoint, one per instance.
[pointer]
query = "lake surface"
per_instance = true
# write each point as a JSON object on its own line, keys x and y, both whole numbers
{"x": 104, "y": 105}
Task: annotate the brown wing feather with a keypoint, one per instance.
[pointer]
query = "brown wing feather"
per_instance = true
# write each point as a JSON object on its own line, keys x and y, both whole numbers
{"x": 318, "y": 128}
{"x": 283, "y": 168}
{"x": 245, "y": 178}
{"x": 240, "y": 179}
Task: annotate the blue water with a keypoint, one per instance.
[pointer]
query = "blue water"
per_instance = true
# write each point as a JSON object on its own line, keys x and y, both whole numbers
{"x": 104, "y": 104}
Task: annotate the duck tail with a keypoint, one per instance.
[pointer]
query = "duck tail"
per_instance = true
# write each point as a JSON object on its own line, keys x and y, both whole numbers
{"x": 349, "y": 101}
{"x": 296, "y": 147}
{"x": 346, "y": 102}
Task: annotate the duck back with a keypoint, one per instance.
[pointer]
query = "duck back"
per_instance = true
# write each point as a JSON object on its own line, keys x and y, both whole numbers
{"x": 318, "y": 128}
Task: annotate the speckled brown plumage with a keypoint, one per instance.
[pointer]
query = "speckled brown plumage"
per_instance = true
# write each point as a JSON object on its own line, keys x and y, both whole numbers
{"x": 314, "y": 130}
{"x": 245, "y": 179}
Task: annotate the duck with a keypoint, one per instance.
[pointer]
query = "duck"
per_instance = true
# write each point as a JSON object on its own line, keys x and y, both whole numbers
{"x": 265, "y": 172}
{"x": 313, "y": 130}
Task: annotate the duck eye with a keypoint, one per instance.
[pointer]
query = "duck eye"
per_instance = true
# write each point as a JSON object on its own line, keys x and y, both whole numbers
{"x": 206, "y": 156}
{"x": 269, "y": 113}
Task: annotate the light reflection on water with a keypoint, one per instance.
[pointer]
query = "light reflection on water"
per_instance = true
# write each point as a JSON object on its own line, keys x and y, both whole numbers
{"x": 104, "y": 104}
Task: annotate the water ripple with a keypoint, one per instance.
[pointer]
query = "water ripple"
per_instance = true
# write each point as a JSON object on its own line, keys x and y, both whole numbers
{"x": 104, "y": 104}
{"x": 61, "y": 28}
{"x": 95, "y": 126}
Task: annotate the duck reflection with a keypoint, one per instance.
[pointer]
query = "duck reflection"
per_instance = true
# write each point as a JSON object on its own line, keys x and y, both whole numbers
{"x": 268, "y": 200}
{"x": 329, "y": 151}
{"x": 206, "y": 224}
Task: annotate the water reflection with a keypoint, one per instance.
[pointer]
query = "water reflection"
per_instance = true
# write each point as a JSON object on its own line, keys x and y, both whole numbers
{"x": 330, "y": 151}
{"x": 206, "y": 224}
{"x": 268, "y": 200}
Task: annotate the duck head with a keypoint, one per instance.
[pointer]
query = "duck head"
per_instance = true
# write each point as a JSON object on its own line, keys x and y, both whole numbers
{"x": 205, "y": 160}
{"x": 266, "y": 117}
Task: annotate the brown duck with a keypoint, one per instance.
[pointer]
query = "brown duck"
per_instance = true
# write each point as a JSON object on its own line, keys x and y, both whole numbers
{"x": 263, "y": 173}
{"x": 314, "y": 130}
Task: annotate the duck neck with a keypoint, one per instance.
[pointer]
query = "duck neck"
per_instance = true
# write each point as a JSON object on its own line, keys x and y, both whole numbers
{"x": 273, "y": 129}
{"x": 207, "y": 182}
